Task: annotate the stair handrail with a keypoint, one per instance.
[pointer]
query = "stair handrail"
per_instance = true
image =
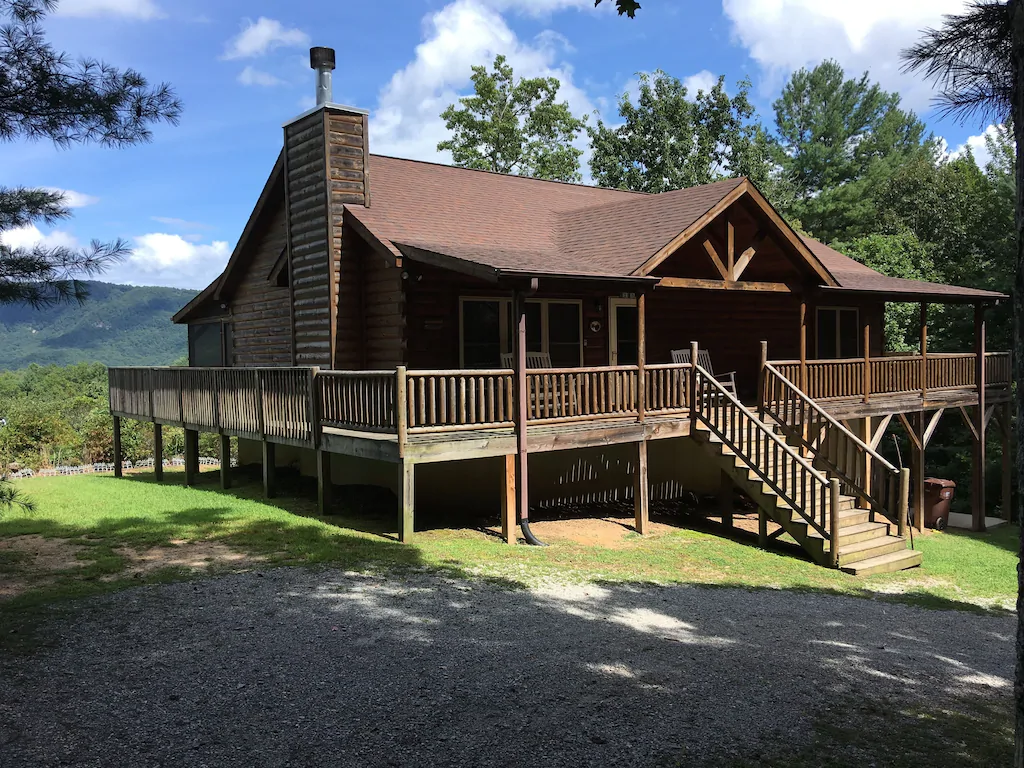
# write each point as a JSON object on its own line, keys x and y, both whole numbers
{"x": 798, "y": 506}
{"x": 897, "y": 515}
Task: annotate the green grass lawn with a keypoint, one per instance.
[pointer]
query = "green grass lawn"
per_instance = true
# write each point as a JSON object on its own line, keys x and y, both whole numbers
{"x": 104, "y": 520}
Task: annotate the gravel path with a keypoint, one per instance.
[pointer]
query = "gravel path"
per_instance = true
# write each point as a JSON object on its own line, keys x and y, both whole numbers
{"x": 307, "y": 668}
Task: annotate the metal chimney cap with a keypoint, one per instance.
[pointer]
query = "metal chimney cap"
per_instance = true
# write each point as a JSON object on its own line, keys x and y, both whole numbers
{"x": 321, "y": 58}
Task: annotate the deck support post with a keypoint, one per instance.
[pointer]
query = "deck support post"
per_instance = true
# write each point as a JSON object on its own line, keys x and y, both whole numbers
{"x": 508, "y": 500}
{"x": 324, "y": 485}
{"x": 1006, "y": 495}
{"x": 725, "y": 499}
{"x": 762, "y": 528}
{"x": 522, "y": 411}
{"x": 865, "y": 483}
{"x": 191, "y": 456}
{"x": 407, "y": 502}
{"x": 118, "y": 456}
{"x": 641, "y": 490}
{"x": 917, "y": 456}
{"x": 158, "y": 452}
{"x": 225, "y": 462}
{"x": 978, "y": 455}
{"x": 269, "y": 470}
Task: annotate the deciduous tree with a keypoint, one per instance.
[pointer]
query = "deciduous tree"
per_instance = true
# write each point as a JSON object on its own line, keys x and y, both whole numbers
{"x": 512, "y": 125}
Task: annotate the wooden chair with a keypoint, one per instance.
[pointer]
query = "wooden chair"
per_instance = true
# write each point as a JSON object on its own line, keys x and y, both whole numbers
{"x": 727, "y": 380}
{"x": 533, "y": 360}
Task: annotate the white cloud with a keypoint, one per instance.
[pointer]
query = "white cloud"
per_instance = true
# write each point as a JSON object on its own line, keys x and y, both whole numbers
{"x": 31, "y": 236}
{"x": 133, "y": 9}
{"x": 262, "y": 36}
{"x": 978, "y": 147}
{"x": 74, "y": 199}
{"x": 252, "y": 76}
{"x": 702, "y": 81}
{"x": 164, "y": 259}
{"x": 784, "y": 35}
{"x": 406, "y": 121}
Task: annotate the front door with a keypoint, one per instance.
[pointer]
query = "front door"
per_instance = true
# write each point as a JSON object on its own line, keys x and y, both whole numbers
{"x": 624, "y": 332}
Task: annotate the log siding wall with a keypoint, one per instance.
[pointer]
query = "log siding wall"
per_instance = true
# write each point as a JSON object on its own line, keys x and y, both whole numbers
{"x": 259, "y": 311}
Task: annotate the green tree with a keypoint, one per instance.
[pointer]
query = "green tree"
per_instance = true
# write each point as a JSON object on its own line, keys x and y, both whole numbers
{"x": 624, "y": 7}
{"x": 838, "y": 136}
{"x": 514, "y": 126}
{"x": 977, "y": 60}
{"x": 44, "y": 95}
{"x": 670, "y": 140}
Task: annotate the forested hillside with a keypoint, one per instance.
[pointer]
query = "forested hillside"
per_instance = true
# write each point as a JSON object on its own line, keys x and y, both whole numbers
{"x": 117, "y": 325}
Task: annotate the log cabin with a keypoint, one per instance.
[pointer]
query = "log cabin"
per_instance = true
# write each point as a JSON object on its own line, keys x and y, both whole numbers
{"x": 506, "y": 343}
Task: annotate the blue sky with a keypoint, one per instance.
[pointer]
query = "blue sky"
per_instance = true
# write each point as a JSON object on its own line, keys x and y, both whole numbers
{"x": 241, "y": 69}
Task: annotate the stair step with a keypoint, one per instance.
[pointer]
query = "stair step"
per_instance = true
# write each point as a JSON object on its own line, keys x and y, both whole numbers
{"x": 855, "y": 532}
{"x": 894, "y": 561}
{"x": 865, "y": 550}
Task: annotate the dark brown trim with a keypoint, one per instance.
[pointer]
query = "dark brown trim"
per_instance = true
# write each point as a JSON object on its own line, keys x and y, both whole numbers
{"x": 366, "y": 160}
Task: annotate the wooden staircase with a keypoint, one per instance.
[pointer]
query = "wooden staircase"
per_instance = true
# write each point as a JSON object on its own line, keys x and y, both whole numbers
{"x": 815, "y": 500}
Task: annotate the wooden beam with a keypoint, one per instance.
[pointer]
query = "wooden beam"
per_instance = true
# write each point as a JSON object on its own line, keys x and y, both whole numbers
{"x": 989, "y": 413}
{"x": 652, "y": 263}
{"x": 716, "y": 259}
{"x": 917, "y": 470}
{"x": 1006, "y": 463}
{"x": 225, "y": 462}
{"x": 641, "y": 357}
{"x": 978, "y": 458}
{"x": 932, "y": 424}
{"x": 745, "y": 258}
{"x": 522, "y": 412}
{"x": 865, "y": 436}
{"x": 118, "y": 453}
{"x": 879, "y": 433}
{"x": 641, "y": 490}
{"x": 508, "y": 500}
{"x": 269, "y": 470}
{"x": 158, "y": 452}
{"x": 911, "y": 431}
{"x": 407, "y": 502}
{"x": 730, "y": 247}
{"x": 969, "y": 423}
{"x": 924, "y": 351}
{"x": 724, "y": 285}
{"x": 867, "y": 358}
{"x": 324, "y": 484}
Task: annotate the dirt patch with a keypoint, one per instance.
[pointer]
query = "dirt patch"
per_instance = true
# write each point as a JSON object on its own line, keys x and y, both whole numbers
{"x": 185, "y": 555}
{"x": 611, "y": 532}
{"x": 36, "y": 557}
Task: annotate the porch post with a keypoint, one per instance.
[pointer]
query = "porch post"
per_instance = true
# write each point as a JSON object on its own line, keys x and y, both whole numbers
{"x": 225, "y": 462}
{"x": 269, "y": 470}
{"x": 803, "y": 344}
{"x": 978, "y": 458}
{"x": 1007, "y": 461}
{"x": 324, "y": 486}
{"x": 641, "y": 357}
{"x": 118, "y": 457}
{"x": 158, "y": 452}
{"x": 762, "y": 396}
{"x": 522, "y": 413}
{"x": 924, "y": 352}
{"x": 866, "y": 435}
{"x": 407, "y": 502}
{"x": 917, "y": 456}
{"x": 867, "y": 359}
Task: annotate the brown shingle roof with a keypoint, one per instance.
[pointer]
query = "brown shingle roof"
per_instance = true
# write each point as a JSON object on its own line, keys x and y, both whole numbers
{"x": 854, "y": 276}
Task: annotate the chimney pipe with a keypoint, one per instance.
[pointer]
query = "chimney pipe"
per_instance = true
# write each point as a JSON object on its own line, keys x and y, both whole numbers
{"x": 322, "y": 60}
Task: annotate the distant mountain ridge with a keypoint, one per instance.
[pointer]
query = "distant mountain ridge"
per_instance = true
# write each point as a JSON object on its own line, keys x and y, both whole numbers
{"x": 117, "y": 325}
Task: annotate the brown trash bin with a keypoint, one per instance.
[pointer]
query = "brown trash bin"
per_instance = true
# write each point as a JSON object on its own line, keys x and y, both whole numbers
{"x": 938, "y": 494}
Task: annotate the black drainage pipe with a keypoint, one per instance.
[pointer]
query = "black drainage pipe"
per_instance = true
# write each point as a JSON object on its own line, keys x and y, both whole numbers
{"x": 528, "y": 534}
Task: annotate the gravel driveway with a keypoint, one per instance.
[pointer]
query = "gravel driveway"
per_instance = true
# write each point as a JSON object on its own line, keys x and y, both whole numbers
{"x": 301, "y": 667}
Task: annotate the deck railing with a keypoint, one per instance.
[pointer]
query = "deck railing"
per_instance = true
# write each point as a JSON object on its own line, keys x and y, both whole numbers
{"x": 829, "y": 445}
{"x": 357, "y": 399}
{"x": 667, "y": 388}
{"x": 893, "y": 374}
{"x": 568, "y": 394}
{"x": 257, "y": 402}
{"x": 459, "y": 399}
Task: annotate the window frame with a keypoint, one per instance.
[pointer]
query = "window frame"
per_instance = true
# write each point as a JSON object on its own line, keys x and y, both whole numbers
{"x": 505, "y": 324}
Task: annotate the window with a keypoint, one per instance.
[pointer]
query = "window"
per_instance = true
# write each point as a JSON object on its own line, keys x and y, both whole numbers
{"x": 209, "y": 345}
{"x": 838, "y": 333}
{"x": 554, "y": 326}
